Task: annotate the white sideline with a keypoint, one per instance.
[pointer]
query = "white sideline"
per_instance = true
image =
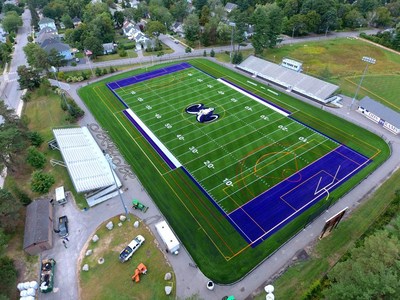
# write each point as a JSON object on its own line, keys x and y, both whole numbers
{"x": 155, "y": 139}
{"x": 254, "y": 98}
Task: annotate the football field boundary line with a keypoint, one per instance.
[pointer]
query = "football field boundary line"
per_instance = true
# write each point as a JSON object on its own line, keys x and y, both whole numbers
{"x": 158, "y": 146}
{"x": 254, "y": 97}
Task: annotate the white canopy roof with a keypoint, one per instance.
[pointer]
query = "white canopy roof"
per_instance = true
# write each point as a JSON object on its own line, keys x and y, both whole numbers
{"x": 86, "y": 164}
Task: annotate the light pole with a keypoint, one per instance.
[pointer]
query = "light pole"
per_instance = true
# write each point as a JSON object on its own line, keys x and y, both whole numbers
{"x": 368, "y": 60}
{"x": 233, "y": 25}
{"x": 112, "y": 166}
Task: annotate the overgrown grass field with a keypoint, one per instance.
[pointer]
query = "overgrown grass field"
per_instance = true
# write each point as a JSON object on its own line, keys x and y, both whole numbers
{"x": 193, "y": 217}
{"x": 339, "y": 61}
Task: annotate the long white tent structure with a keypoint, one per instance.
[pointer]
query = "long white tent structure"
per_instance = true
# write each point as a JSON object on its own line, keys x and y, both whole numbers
{"x": 293, "y": 81}
{"x": 87, "y": 166}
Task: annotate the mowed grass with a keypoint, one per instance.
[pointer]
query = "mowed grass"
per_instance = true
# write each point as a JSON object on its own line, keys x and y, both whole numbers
{"x": 247, "y": 150}
{"x": 112, "y": 279}
{"x": 217, "y": 248}
{"x": 341, "y": 58}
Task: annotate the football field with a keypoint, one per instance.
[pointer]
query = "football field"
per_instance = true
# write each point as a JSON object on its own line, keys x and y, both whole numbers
{"x": 259, "y": 167}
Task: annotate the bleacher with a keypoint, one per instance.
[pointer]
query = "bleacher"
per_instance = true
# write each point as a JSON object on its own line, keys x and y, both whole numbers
{"x": 293, "y": 81}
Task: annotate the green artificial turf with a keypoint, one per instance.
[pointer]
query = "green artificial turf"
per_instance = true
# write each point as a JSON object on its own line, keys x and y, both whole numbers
{"x": 217, "y": 248}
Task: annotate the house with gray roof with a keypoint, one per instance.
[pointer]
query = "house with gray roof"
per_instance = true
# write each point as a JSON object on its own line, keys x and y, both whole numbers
{"x": 47, "y": 22}
{"x": 229, "y": 7}
{"x": 380, "y": 114}
{"x": 62, "y": 48}
{"x": 38, "y": 235}
{"x": 108, "y": 48}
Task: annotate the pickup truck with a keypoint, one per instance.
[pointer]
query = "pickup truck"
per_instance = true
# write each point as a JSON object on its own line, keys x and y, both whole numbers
{"x": 47, "y": 275}
{"x": 127, "y": 253}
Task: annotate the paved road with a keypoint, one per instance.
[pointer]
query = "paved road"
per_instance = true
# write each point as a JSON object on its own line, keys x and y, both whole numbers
{"x": 11, "y": 92}
{"x": 191, "y": 280}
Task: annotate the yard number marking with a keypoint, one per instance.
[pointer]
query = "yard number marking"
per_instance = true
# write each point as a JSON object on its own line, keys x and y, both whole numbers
{"x": 140, "y": 99}
{"x": 158, "y": 116}
{"x": 210, "y": 86}
{"x": 221, "y": 92}
{"x": 303, "y": 139}
{"x": 248, "y": 108}
{"x": 228, "y": 182}
{"x": 233, "y": 100}
{"x": 180, "y": 137}
{"x": 264, "y": 117}
{"x": 190, "y": 74}
{"x": 209, "y": 164}
{"x": 284, "y": 128}
{"x": 193, "y": 149}
{"x": 133, "y": 92}
{"x": 199, "y": 80}
{"x": 148, "y": 107}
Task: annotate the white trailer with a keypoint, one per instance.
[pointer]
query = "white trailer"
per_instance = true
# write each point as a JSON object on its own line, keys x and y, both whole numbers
{"x": 168, "y": 237}
{"x": 60, "y": 195}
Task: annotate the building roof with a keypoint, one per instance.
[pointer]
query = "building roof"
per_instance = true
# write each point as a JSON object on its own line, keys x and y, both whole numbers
{"x": 86, "y": 163}
{"x": 55, "y": 44}
{"x": 303, "y": 84}
{"x": 382, "y": 111}
{"x": 45, "y": 20}
{"x": 76, "y": 20}
{"x": 230, "y": 6}
{"x": 42, "y": 38}
{"x": 108, "y": 46}
{"x": 37, "y": 222}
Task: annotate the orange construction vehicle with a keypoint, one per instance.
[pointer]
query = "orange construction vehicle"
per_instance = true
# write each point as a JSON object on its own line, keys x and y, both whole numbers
{"x": 141, "y": 269}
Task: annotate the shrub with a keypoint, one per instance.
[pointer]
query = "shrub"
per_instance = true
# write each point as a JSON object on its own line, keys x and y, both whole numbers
{"x": 73, "y": 64}
{"x": 122, "y": 53}
{"x": 35, "y": 158}
{"x": 212, "y": 53}
{"x": 41, "y": 182}
{"x": 98, "y": 72}
{"x": 205, "y": 53}
{"x": 61, "y": 75}
{"x": 188, "y": 50}
{"x": 35, "y": 138}
{"x": 22, "y": 196}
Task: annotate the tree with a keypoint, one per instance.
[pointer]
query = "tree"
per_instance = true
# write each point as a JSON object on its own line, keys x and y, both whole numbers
{"x": 35, "y": 158}
{"x": 67, "y": 21}
{"x": 179, "y": 10}
{"x": 11, "y": 22}
{"x": 268, "y": 23}
{"x": 102, "y": 28}
{"x": 5, "y": 53}
{"x": 9, "y": 210}
{"x": 29, "y": 78}
{"x": 154, "y": 28}
{"x": 36, "y": 56}
{"x": 371, "y": 272}
{"x": 383, "y": 17}
{"x": 353, "y": 19}
{"x": 224, "y": 32}
{"x": 161, "y": 14}
{"x": 55, "y": 9}
{"x": 204, "y": 15}
{"x": 93, "y": 44}
{"x": 8, "y": 277}
{"x": 11, "y": 7}
{"x": 191, "y": 28}
{"x": 55, "y": 59}
{"x": 118, "y": 18}
{"x": 41, "y": 182}
{"x": 212, "y": 53}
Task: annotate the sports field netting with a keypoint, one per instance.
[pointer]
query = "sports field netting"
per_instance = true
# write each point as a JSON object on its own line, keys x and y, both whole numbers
{"x": 257, "y": 165}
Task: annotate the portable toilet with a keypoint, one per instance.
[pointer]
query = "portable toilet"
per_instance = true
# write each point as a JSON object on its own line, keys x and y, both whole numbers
{"x": 60, "y": 195}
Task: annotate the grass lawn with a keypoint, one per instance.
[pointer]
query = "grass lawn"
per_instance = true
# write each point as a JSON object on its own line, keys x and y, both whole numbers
{"x": 130, "y": 54}
{"x": 339, "y": 61}
{"x": 43, "y": 113}
{"x": 297, "y": 279}
{"x": 187, "y": 209}
{"x": 112, "y": 280}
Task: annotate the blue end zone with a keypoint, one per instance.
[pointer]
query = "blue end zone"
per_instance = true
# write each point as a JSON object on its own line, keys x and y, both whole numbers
{"x": 146, "y": 76}
{"x": 264, "y": 215}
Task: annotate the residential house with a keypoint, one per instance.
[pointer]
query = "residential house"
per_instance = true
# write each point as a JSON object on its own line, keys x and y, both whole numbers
{"x": 229, "y": 7}
{"x": 76, "y": 21}
{"x": 128, "y": 28}
{"x": 47, "y": 22}
{"x": 38, "y": 234}
{"x": 177, "y": 28}
{"x": 134, "y": 3}
{"x": 108, "y": 48}
{"x": 62, "y": 48}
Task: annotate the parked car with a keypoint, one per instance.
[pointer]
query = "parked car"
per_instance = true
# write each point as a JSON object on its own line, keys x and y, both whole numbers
{"x": 127, "y": 253}
{"x": 63, "y": 226}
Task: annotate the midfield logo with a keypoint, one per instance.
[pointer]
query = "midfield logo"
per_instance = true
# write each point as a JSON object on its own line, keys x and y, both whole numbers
{"x": 204, "y": 114}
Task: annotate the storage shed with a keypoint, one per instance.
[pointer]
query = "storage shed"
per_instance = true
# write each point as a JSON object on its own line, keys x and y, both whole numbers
{"x": 38, "y": 234}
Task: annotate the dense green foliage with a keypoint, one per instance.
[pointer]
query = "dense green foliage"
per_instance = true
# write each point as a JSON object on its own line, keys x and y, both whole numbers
{"x": 8, "y": 277}
{"x": 41, "y": 182}
{"x": 185, "y": 208}
{"x": 35, "y": 158}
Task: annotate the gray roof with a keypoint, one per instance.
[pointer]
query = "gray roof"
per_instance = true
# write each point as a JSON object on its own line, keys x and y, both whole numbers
{"x": 381, "y": 111}
{"x": 46, "y": 36}
{"x": 108, "y": 46}
{"x": 55, "y": 44}
{"x": 76, "y": 20}
{"x": 46, "y": 20}
{"x": 37, "y": 222}
{"x": 230, "y": 6}
{"x": 303, "y": 84}
{"x": 47, "y": 29}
